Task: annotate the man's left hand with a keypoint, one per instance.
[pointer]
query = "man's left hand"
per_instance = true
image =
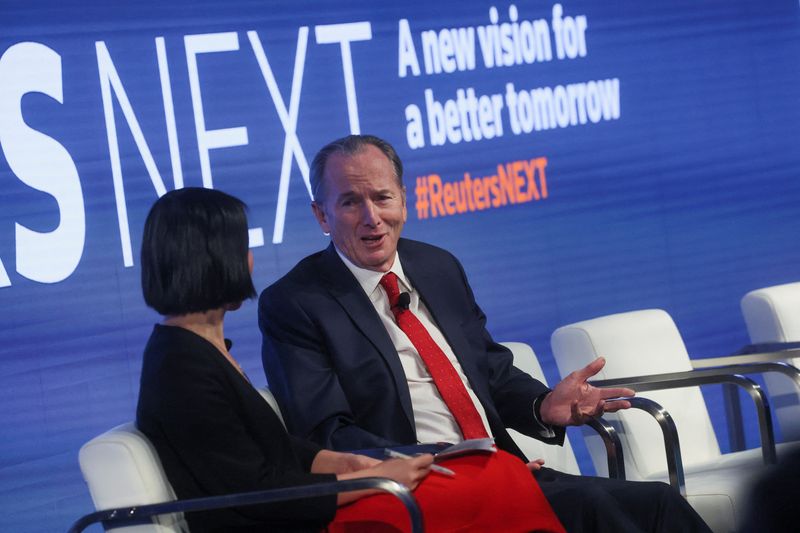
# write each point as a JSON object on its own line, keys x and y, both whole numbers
{"x": 574, "y": 401}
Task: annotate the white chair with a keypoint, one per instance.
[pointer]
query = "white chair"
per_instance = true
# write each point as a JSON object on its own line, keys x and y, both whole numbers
{"x": 124, "y": 475}
{"x": 561, "y": 458}
{"x": 643, "y": 343}
{"x": 122, "y": 469}
{"x": 772, "y": 315}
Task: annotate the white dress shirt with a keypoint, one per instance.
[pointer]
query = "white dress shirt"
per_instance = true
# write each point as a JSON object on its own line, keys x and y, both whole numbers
{"x": 433, "y": 420}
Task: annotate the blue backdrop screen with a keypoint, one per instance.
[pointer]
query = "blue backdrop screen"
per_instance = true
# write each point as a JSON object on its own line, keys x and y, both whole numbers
{"x": 581, "y": 158}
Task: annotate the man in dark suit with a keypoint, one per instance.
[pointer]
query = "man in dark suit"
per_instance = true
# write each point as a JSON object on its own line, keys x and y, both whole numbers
{"x": 348, "y": 373}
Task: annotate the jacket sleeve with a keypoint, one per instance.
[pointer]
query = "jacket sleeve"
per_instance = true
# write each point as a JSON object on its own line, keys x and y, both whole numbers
{"x": 513, "y": 391}
{"x": 303, "y": 379}
{"x": 200, "y": 418}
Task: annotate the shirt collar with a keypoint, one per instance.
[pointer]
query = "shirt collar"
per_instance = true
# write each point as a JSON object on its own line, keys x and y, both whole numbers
{"x": 370, "y": 279}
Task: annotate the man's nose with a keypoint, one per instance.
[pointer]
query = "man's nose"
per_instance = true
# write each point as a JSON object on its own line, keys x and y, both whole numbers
{"x": 370, "y": 216}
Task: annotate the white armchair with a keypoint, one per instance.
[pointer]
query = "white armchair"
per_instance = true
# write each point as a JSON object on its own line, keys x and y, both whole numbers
{"x": 645, "y": 350}
{"x": 128, "y": 486}
{"x": 772, "y": 315}
{"x": 122, "y": 469}
{"x": 561, "y": 458}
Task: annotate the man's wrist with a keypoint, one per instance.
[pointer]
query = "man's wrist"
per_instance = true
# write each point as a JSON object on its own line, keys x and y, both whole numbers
{"x": 537, "y": 407}
{"x": 548, "y": 430}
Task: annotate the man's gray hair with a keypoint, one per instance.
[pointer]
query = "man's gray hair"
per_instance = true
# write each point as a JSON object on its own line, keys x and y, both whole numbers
{"x": 350, "y": 145}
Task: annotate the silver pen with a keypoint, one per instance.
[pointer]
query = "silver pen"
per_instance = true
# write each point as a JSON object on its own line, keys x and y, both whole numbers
{"x": 400, "y": 455}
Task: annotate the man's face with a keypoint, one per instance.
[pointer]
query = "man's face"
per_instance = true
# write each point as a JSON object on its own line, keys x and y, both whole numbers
{"x": 364, "y": 208}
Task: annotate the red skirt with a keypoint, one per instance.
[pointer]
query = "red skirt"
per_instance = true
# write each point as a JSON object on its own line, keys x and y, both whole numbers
{"x": 488, "y": 493}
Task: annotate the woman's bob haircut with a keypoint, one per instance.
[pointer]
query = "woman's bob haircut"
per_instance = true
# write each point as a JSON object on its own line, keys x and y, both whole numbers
{"x": 194, "y": 252}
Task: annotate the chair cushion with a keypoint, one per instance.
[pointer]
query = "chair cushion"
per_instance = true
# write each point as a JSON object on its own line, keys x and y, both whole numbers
{"x": 122, "y": 469}
{"x": 634, "y": 344}
{"x": 772, "y": 314}
{"x": 561, "y": 458}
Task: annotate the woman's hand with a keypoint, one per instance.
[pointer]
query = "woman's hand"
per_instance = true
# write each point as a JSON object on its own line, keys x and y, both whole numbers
{"x": 409, "y": 472}
{"x": 330, "y": 462}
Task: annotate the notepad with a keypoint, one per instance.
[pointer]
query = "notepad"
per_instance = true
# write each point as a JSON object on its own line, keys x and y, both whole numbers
{"x": 466, "y": 447}
{"x": 440, "y": 450}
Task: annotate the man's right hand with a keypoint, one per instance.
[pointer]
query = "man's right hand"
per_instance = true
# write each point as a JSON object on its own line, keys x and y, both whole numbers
{"x": 574, "y": 400}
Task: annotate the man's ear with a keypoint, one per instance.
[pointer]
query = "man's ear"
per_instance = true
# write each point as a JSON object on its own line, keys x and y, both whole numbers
{"x": 322, "y": 220}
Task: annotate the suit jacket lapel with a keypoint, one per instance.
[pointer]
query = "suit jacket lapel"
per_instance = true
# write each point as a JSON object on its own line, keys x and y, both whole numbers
{"x": 429, "y": 287}
{"x": 426, "y": 282}
{"x": 344, "y": 287}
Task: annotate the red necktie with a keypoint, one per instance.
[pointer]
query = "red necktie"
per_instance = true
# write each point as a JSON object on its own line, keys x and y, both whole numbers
{"x": 444, "y": 375}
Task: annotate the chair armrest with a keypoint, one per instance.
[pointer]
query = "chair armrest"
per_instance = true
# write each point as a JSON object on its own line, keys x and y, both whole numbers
{"x": 788, "y": 349}
{"x": 709, "y": 376}
{"x": 747, "y": 357}
{"x": 755, "y": 367}
{"x": 128, "y": 515}
{"x": 607, "y": 432}
{"x": 672, "y": 445}
{"x": 751, "y": 354}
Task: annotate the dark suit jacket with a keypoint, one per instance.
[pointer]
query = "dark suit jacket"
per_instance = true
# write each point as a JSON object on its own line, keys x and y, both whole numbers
{"x": 335, "y": 372}
{"x": 215, "y": 434}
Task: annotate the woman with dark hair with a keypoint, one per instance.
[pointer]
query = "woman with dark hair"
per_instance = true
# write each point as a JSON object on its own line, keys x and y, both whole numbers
{"x": 214, "y": 432}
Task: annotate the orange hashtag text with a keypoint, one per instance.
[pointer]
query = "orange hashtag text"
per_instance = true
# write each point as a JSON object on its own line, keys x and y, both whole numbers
{"x": 516, "y": 182}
